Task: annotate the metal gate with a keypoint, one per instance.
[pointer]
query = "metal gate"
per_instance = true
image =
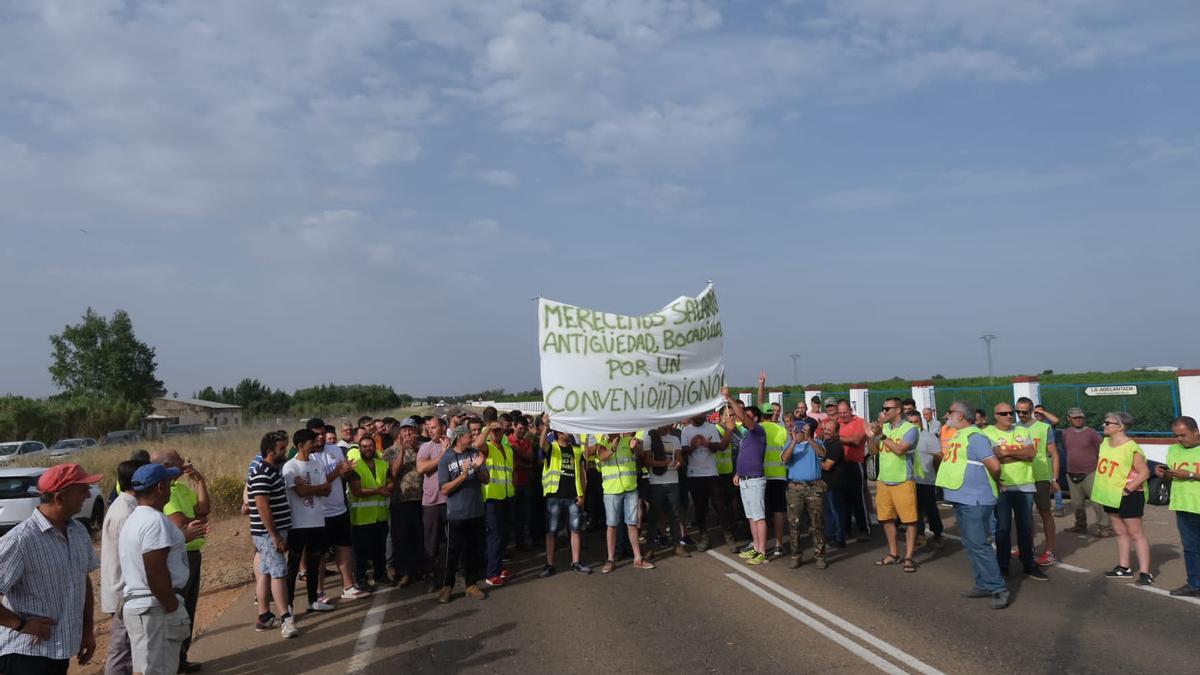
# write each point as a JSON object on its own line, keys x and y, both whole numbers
{"x": 1153, "y": 404}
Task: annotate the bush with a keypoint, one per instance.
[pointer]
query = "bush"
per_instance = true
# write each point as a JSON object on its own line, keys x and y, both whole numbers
{"x": 225, "y": 492}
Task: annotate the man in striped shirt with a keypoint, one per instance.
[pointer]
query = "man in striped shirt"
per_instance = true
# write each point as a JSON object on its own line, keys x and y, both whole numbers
{"x": 270, "y": 519}
{"x": 46, "y": 617}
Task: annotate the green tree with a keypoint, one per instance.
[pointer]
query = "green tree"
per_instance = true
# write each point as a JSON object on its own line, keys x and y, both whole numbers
{"x": 102, "y": 357}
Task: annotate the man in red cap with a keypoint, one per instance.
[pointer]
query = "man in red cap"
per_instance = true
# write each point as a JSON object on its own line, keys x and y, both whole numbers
{"x": 46, "y": 617}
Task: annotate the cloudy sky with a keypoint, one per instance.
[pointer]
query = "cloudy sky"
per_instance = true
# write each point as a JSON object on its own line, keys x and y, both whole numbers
{"x": 374, "y": 191}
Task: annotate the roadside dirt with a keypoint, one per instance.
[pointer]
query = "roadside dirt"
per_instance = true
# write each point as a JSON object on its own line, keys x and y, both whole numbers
{"x": 224, "y": 570}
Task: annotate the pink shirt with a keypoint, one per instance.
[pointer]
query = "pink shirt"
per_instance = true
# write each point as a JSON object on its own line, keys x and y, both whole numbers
{"x": 1083, "y": 449}
{"x": 431, "y": 493}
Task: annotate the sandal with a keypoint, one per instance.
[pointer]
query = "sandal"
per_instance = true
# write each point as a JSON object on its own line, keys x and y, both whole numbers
{"x": 608, "y": 567}
{"x": 888, "y": 559}
{"x": 909, "y": 565}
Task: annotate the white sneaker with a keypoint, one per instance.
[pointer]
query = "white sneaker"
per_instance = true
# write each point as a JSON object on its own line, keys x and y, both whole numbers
{"x": 289, "y": 628}
{"x": 319, "y": 606}
{"x": 354, "y": 593}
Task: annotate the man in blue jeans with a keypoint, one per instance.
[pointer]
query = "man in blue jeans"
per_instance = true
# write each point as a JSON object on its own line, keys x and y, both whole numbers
{"x": 968, "y": 475}
{"x": 1183, "y": 470}
{"x": 1014, "y": 446}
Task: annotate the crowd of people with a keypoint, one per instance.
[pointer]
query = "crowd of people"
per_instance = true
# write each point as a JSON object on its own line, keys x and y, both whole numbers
{"x": 438, "y": 498}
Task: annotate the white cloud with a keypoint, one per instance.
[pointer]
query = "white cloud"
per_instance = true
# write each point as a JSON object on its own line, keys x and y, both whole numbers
{"x": 959, "y": 185}
{"x": 484, "y": 228}
{"x": 658, "y": 136}
{"x": 498, "y": 177}
{"x": 311, "y": 236}
{"x": 671, "y": 199}
{"x": 1149, "y": 151}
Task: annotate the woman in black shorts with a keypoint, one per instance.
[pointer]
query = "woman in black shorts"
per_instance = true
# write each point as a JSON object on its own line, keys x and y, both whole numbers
{"x": 1120, "y": 474}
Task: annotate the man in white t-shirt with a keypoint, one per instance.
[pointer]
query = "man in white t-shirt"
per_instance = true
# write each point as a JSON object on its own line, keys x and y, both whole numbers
{"x": 112, "y": 587}
{"x": 337, "y": 515}
{"x": 307, "y": 488}
{"x": 700, "y": 443}
{"x": 154, "y": 567}
{"x": 663, "y": 454}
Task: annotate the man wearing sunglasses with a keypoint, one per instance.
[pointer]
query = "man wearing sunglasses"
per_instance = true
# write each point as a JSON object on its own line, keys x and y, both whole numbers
{"x": 1015, "y": 449}
{"x": 895, "y": 439}
{"x": 1045, "y": 473}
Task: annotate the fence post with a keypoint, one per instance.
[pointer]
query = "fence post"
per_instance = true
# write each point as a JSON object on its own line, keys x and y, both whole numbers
{"x": 858, "y": 400}
{"x": 808, "y": 397}
{"x": 1189, "y": 393}
{"x": 922, "y": 393}
{"x": 1027, "y": 385}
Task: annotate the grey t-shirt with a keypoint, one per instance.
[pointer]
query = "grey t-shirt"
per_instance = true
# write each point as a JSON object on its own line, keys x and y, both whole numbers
{"x": 928, "y": 447}
{"x": 466, "y": 502}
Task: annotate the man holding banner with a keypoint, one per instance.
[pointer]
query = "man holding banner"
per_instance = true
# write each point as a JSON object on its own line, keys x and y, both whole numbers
{"x": 618, "y": 472}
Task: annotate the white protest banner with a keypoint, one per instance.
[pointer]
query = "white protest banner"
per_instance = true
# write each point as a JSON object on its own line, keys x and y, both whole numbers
{"x": 608, "y": 373}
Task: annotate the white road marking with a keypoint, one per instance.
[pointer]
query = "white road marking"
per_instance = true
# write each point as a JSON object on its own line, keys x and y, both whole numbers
{"x": 830, "y": 617}
{"x": 1066, "y": 566}
{"x": 850, "y": 645}
{"x": 369, "y": 633}
{"x": 1159, "y": 591}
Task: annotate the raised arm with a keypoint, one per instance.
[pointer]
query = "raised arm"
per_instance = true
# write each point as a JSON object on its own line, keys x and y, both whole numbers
{"x": 735, "y": 405}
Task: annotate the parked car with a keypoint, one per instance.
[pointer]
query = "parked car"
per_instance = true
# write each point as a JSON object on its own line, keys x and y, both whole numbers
{"x": 182, "y": 429}
{"x": 70, "y": 446}
{"x": 14, "y": 449}
{"x": 19, "y": 496}
{"x": 123, "y": 437}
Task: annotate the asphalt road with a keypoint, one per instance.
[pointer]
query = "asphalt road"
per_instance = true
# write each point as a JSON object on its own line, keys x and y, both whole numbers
{"x": 711, "y": 612}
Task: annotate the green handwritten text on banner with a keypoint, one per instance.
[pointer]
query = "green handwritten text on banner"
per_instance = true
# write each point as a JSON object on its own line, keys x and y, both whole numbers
{"x": 605, "y": 372}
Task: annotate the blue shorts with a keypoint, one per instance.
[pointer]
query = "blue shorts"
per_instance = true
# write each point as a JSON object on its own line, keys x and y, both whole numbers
{"x": 271, "y": 563}
{"x": 754, "y": 492}
{"x": 555, "y": 506}
{"x": 620, "y": 507}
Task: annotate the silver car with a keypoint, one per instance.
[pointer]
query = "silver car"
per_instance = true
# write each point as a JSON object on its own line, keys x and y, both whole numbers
{"x": 14, "y": 449}
{"x": 70, "y": 446}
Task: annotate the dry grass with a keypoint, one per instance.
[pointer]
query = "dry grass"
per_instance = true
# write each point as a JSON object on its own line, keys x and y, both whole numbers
{"x": 222, "y": 457}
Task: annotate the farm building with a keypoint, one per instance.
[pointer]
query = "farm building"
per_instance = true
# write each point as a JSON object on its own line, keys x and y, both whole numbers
{"x": 196, "y": 411}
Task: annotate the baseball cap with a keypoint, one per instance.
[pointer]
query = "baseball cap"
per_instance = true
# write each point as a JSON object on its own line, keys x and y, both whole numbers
{"x": 62, "y": 476}
{"x": 407, "y": 422}
{"x": 460, "y": 430}
{"x": 1075, "y": 412}
{"x": 767, "y": 408}
{"x": 149, "y": 475}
